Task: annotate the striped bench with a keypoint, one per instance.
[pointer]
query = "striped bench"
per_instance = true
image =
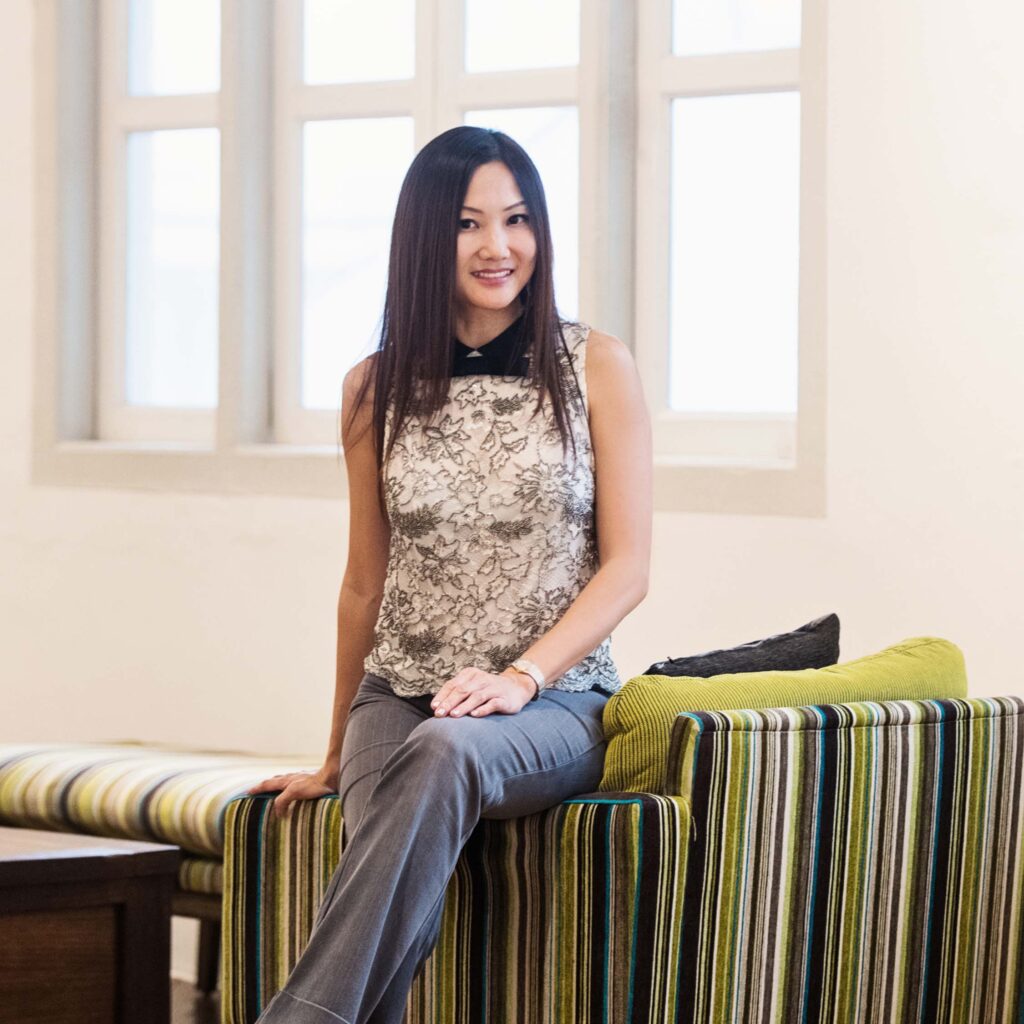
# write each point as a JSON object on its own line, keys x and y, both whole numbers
{"x": 147, "y": 791}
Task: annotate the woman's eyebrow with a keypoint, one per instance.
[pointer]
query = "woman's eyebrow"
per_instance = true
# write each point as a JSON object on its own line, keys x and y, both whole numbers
{"x": 473, "y": 209}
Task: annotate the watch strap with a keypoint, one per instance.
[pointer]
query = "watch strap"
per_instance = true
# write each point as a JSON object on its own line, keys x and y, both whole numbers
{"x": 527, "y": 667}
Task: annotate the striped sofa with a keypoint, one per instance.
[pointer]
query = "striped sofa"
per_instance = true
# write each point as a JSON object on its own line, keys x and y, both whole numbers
{"x": 856, "y": 862}
{"x": 148, "y": 791}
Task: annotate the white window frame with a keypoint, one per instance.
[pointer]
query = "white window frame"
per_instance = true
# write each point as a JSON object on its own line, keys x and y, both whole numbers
{"x": 731, "y": 462}
{"x": 295, "y": 104}
{"x": 119, "y": 114}
{"x": 259, "y": 440}
{"x": 437, "y": 98}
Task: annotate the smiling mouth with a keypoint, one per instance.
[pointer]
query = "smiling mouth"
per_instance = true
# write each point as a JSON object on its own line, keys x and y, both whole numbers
{"x": 492, "y": 275}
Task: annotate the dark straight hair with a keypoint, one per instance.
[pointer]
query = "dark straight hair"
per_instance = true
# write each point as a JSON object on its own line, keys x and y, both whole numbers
{"x": 411, "y": 367}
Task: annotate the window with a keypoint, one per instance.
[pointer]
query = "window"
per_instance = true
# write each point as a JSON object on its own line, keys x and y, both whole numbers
{"x": 730, "y": 252}
{"x": 159, "y": 233}
{"x": 213, "y": 259}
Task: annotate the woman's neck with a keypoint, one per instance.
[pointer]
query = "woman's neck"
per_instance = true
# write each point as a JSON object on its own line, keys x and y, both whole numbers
{"x": 484, "y": 324}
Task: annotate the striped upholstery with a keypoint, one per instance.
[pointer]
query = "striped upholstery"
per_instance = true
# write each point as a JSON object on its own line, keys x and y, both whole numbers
{"x": 857, "y": 862}
{"x": 841, "y": 863}
{"x": 201, "y": 874}
{"x": 638, "y": 719}
{"x": 132, "y": 790}
{"x": 548, "y": 918}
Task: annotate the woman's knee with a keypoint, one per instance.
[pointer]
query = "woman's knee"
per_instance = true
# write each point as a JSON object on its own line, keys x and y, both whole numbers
{"x": 440, "y": 746}
{"x": 354, "y": 794}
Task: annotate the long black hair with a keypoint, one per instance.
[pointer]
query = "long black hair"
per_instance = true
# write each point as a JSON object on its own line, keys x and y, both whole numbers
{"x": 411, "y": 368}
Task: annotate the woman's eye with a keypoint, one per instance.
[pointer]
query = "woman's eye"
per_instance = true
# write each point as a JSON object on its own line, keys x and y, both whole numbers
{"x": 468, "y": 220}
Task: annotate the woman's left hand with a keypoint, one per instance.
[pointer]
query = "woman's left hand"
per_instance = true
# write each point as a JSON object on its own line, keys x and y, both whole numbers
{"x": 477, "y": 693}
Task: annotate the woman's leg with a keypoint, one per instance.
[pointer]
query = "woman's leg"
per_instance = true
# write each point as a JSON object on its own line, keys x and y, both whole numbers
{"x": 378, "y": 723}
{"x": 379, "y": 922}
{"x": 521, "y": 795}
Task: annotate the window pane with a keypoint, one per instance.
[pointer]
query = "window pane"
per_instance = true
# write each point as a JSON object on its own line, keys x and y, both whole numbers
{"x": 711, "y": 26}
{"x": 346, "y": 41}
{"x": 530, "y": 34}
{"x": 551, "y": 136}
{"x": 352, "y": 173}
{"x": 173, "y": 46}
{"x": 173, "y": 227}
{"x": 735, "y": 252}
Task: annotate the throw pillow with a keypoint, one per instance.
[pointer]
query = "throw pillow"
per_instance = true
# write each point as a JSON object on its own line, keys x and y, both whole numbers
{"x": 812, "y": 645}
{"x": 638, "y": 719}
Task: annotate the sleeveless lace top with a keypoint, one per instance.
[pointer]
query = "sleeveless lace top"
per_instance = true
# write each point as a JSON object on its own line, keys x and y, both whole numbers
{"x": 492, "y": 534}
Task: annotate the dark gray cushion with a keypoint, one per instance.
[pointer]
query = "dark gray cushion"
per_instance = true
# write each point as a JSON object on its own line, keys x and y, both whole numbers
{"x": 813, "y": 645}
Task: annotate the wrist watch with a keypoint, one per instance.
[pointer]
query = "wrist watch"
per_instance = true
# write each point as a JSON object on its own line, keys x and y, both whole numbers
{"x": 529, "y": 668}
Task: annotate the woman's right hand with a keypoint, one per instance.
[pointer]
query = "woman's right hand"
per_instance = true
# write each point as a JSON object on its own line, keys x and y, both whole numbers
{"x": 297, "y": 786}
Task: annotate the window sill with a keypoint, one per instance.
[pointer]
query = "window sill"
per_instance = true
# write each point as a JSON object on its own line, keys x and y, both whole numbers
{"x": 714, "y": 485}
{"x": 723, "y": 485}
{"x": 307, "y": 471}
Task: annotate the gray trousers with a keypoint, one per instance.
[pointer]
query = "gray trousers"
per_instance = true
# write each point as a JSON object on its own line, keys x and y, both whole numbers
{"x": 413, "y": 787}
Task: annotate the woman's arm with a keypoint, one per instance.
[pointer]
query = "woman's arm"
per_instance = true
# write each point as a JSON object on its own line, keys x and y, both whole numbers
{"x": 620, "y": 431}
{"x": 362, "y": 587}
{"x": 359, "y": 600}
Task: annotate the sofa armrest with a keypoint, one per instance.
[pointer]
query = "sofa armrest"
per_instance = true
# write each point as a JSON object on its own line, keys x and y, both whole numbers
{"x": 735, "y": 729}
{"x": 617, "y": 904}
{"x": 584, "y": 899}
{"x": 276, "y": 872}
{"x": 854, "y": 855}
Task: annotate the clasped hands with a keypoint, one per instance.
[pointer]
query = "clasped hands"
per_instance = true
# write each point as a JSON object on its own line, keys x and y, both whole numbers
{"x": 478, "y": 693}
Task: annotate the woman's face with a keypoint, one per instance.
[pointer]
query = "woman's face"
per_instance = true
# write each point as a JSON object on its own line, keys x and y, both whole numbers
{"x": 495, "y": 233}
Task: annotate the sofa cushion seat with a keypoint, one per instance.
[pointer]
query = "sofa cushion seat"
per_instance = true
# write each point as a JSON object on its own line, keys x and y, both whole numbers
{"x": 135, "y": 790}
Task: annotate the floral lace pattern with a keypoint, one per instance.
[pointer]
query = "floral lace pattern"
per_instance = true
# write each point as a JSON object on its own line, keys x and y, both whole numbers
{"x": 492, "y": 535}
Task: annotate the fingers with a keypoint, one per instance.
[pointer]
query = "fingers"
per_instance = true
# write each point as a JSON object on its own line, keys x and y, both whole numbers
{"x": 268, "y": 784}
{"x": 476, "y": 693}
{"x": 489, "y": 706}
{"x": 479, "y": 703}
{"x": 290, "y": 789}
{"x": 461, "y": 700}
{"x": 293, "y": 787}
{"x": 452, "y": 693}
{"x": 469, "y": 703}
{"x": 465, "y": 690}
{"x": 281, "y": 804}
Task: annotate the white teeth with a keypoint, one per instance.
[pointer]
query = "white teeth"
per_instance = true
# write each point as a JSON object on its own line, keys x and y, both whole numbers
{"x": 491, "y": 274}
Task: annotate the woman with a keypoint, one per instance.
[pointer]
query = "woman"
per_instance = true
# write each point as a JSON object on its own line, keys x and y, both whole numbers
{"x": 499, "y": 464}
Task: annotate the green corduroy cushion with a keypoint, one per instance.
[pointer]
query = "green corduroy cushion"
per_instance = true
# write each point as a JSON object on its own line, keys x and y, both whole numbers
{"x": 638, "y": 719}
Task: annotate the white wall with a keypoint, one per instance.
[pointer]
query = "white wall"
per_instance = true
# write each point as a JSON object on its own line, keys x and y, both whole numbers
{"x": 210, "y": 620}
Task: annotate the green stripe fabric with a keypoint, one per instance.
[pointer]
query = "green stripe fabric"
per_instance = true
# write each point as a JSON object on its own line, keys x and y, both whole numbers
{"x": 857, "y": 862}
{"x": 638, "y": 719}
{"x": 276, "y": 872}
{"x": 201, "y": 874}
{"x": 832, "y": 863}
{"x": 548, "y": 918}
{"x": 133, "y": 790}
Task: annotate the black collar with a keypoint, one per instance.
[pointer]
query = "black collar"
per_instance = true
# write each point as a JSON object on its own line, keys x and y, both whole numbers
{"x": 503, "y": 355}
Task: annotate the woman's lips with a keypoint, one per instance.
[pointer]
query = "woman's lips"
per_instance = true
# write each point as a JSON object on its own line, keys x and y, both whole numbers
{"x": 493, "y": 279}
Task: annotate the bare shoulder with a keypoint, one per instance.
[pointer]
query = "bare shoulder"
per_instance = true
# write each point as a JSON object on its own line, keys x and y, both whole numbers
{"x": 354, "y": 421}
{"x": 608, "y": 349}
{"x": 609, "y": 367}
{"x": 357, "y": 375}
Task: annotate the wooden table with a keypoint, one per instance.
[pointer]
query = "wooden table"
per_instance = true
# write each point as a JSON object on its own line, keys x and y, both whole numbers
{"x": 85, "y": 928}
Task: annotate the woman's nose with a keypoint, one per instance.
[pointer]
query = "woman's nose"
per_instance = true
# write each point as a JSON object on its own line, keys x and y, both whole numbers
{"x": 494, "y": 244}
